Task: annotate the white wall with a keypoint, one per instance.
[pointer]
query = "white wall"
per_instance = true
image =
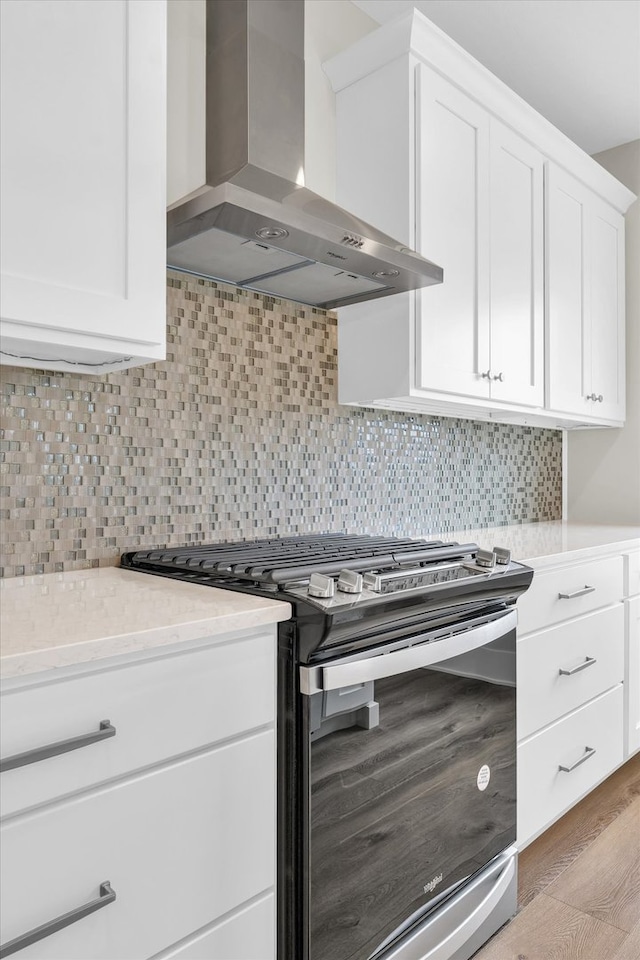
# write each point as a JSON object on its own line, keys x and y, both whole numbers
{"x": 603, "y": 466}
{"x": 330, "y": 26}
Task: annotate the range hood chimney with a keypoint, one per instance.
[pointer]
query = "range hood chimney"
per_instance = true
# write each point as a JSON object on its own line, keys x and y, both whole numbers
{"x": 255, "y": 225}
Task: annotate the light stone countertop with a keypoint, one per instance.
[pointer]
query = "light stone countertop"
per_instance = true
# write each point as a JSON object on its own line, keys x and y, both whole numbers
{"x": 543, "y": 544}
{"x": 62, "y": 619}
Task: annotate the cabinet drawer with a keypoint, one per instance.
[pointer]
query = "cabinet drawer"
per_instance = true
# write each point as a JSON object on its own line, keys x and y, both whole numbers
{"x": 160, "y": 708}
{"x": 180, "y": 846}
{"x": 544, "y": 791}
{"x": 570, "y": 591}
{"x": 247, "y": 935}
{"x": 590, "y": 651}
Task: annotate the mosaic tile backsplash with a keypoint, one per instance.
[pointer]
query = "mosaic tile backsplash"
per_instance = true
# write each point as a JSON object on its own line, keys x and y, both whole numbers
{"x": 239, "y": 434}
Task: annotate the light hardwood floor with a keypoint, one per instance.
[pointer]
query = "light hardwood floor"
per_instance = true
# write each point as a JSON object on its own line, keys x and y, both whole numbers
{"x": 579, "y": 883}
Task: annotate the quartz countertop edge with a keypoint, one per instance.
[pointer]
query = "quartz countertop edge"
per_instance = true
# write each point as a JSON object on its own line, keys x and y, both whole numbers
{"x": 59, "y": 620}
{"x": 557, "y": 541}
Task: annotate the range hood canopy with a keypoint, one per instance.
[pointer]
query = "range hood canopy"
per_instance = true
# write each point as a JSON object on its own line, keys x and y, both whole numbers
{"x": 254, "y": 225}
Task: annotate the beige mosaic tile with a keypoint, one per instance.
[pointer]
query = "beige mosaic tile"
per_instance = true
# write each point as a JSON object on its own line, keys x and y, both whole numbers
{"x": 239, "y": 434}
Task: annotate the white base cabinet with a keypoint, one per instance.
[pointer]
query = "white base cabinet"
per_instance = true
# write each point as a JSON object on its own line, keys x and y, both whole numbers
{"x": 578, "y": 682}
{"x": 175, "y": 810}
{"x": 83, "y": 183}
{"x": 632, "y": 663}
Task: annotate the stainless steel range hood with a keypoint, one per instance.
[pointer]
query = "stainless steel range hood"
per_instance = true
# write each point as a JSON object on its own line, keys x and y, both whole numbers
{"x": 254, "y": 225}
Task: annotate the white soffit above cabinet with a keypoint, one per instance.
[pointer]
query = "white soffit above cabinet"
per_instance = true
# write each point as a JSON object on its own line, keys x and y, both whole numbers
{"x": 577, "y": 62}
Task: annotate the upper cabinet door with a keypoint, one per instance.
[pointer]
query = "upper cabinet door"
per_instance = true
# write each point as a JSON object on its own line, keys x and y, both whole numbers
{"x": 566, "y": 213}
{"x": 585, "y": 300}
{"x": 517, "y": 269}
{"x": 83, "y": 175}
{"x": 452, "y": 228}
{"x": 606, "y": 349}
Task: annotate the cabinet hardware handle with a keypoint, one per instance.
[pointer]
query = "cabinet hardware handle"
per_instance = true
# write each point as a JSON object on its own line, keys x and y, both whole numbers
{"x": 107, "y": 895}
{"x": 588, "y": 752}
{"x": 596, "y": 397}
{"x": 589, "y": 662}
{"x": 54, "y": 749}
{"x": 498, "y": 376}
{"x": 576, "y": 593}
{"x": 487, "y": 375}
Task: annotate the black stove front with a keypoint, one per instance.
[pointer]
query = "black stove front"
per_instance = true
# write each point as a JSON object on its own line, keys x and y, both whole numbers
{"x": 396, "y": 738}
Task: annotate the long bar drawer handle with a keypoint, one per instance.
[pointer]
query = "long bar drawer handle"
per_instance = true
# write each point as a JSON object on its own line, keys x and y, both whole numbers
{"x": 54, "y": 749}
{"x": 576, "y": 593}
{"x": 588, "y": 752}
{"x": 107, "y": 895}
{"x": 588, "y": 662}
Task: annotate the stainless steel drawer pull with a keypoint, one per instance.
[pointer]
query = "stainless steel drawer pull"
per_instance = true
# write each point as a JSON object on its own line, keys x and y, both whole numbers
{"x": 107, "y": 895}
{"x": 104, "y": 731}
{"x": 588, "y": 752}
{"x": 576, "y": 593}
{"x": 588, "y": 662}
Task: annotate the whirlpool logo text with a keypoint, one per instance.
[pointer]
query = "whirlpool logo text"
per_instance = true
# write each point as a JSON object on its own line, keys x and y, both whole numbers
{"x": 430, "y": 887}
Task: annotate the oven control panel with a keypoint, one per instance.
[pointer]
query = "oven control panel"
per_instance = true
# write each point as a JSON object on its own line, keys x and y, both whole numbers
{"x": 395, "y": 580}
{"x": 349, "y": 586}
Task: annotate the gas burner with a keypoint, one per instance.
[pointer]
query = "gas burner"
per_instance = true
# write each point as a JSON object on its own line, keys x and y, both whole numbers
{"x": 330, "y": 570}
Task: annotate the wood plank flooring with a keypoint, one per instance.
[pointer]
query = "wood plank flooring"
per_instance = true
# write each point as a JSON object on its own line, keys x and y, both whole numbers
{"x": 579, "y": 883}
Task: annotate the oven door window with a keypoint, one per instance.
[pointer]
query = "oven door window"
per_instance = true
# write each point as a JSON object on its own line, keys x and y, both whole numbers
{"x": 413, "y": 790}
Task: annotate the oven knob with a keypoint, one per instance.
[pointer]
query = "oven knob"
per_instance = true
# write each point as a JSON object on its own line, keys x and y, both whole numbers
{"x": 485, "y": 558}
{"x": 321, "y": 586}
{"x": 350, "y": 582}
{"x": 502, "y": 555}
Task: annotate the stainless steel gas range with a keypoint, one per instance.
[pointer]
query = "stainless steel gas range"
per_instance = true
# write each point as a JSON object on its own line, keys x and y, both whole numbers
{"x": 396, "y": 737}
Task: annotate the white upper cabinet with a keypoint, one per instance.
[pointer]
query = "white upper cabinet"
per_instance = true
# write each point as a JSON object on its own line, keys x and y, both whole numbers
{"x": 83, "y": 183}
{"x": 439, "y": 153}
{"x": 585, "y": 305}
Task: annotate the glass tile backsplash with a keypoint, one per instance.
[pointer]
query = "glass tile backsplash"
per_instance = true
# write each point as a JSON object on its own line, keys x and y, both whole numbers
{"x": 239, "y": 434}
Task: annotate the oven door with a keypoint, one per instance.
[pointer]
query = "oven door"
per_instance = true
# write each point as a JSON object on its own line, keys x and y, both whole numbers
{"x": 412, "y": 753}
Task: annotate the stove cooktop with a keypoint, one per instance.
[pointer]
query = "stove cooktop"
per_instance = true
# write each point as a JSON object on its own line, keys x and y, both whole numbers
{"x": 290, "y": 559}
{"x": 344, "y": 587}
{"x": 337, "y": 567}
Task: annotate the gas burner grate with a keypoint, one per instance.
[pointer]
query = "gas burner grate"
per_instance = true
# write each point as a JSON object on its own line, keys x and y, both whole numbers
{"x": 277, "y": 561}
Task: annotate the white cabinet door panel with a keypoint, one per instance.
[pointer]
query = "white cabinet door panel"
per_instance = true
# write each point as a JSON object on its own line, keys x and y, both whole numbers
{"x": 565, "y": 201}
{"x": 585, "y": 322}
{"x": 453, "y": 225}
{"x": 632, "y": 676}
{"x": 83, "y": 170}
{"x": 570, "y": 591}
{"x": 160, "y": 708}
{"x": 562, "y": 668}
{"x": 517, "y": 363}
{"x": 180, "y": 845}
{"x": 588, "y": 743}
{"x": 605, "y": 346}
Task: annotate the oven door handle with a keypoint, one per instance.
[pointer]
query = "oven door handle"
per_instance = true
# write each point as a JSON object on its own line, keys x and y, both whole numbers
{"x": 339, "y": 674}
